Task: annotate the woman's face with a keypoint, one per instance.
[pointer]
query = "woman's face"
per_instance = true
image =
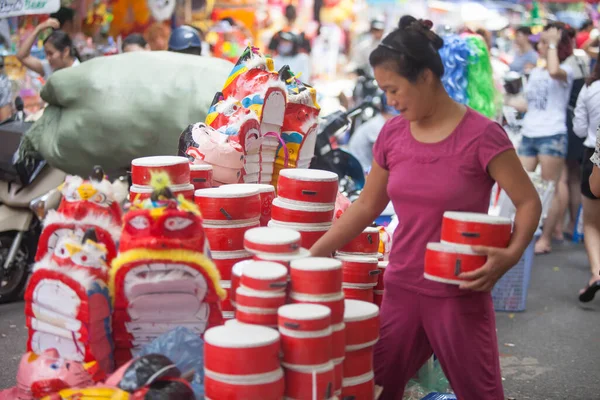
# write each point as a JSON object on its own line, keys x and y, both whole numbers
{"x": 57, "y": 59}
{"x": 542, "y": 46}
{"x": 410, "y": 99}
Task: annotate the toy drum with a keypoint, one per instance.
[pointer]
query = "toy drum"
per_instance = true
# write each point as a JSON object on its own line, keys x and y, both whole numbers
{"x": 307, "y": 185}
{"x": 265, "y": 276}
{"x": 241, "y": 350}
{"x": 283, "y": 259}
{"x": 283, "y": 211}
{"x": 309, "y": 382}
{"x": 361, "y": 293}
{"x": 445, "y": 262}
{"x": 272, "y": 241}
{"x": 366, "y": 243}
{"x": 316, "y": 275}
{"x": 475, "y": 229}
{"x": 358, "y": 362}
{"x": 359, "y": 387}
{"x": 306, "y": 347}
{"x": 269, "y": 386}
{"x": 310, "y": 233}
{"x": 304, "y": 317}
{"x": 359, "y": 270}
{"x": 236, "y": 275}
{"x": 267, "y": 196}
{"x": 338, "y": 339}
{"x": 140, "y": 193}
{"x": 176, "y": 168}
{"x": 338, "y": 370}
{"x": 226, "y": 305}
{"x": 260, "y": 300}
{"x": 362, "y": 324}
{"x": 225, "y": 260}
{"x": 335, "y": 302}
{"x": 201, "y": 176}
{"x": 228, "y": 203}
{"x": 381, "y": 265}
{"x": 256, "y": 316}
{"x": 378, "y": 297}
{"x": 227, "y": 237}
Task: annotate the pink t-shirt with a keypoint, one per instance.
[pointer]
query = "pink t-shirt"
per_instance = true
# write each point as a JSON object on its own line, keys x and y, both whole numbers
{"x": 427, "y": 179}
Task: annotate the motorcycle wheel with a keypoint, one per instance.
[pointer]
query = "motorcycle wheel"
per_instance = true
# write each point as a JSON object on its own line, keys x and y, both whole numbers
{"x": 14, "y": 280}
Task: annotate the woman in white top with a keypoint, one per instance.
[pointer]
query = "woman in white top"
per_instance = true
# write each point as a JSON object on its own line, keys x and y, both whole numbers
{"x": 544, "y": 129}
{"x": 59, "y": 49}
{"x": 585, "y": 125}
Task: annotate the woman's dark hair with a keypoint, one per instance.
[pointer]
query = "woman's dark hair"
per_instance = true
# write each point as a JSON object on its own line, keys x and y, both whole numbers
{"x": 134, "y": 39}
{"x": 61, "y": 41}
{"x": 410, "y": 49}
{"x": 525, "y": 30}
{"x": 565, "y": 44}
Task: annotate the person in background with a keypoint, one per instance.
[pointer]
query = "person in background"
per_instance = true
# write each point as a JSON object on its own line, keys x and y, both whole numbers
{"x": 59, "y": 49}
{"x": 525, "y": 57}
{"x": 303, "y": 44}
{"x": 585, "y": 125}
{"x": 362, "y": 141}
{"x": 584, "y": 33}
{"x": 6, "y": 95}
{"x": 157, "y": 35}
{"x": 362, "y": 50}
{"x": 544, "y": 127}
{"x": 135, "y": 42}
{"x": 66, "y": 18}
{"x": 288, "y": 53}
{"x": 437, "y": 156}
{"x": 186, "y": 39}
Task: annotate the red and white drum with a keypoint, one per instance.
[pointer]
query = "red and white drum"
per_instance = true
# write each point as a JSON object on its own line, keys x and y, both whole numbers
{"x": 445, "y": 262}
{"x": 378, "y": 297}
{"x": 201, "y": 176}
{"x": 228, "y": 203}
{"x": 241, "y": 350}
{"x": 272, "y": 241}
{"x": 306, "y": 347}
{"x": 264, "y": 276}
{"x": 307, "y": 185}
{"x": 359, "y": 387}
{"x": 283, "y": 259}
{"x": 226, "y": 305}
{"x": 267, "y": 196}
{"x": 359, "y": 362}
{"x": 236, "y": 276}
{"x": 304, "y": 317}
{"x": 316, "y": 275}
{"x": 381, "y": 265}
{"x": 365, "y": 243}
{"x": 309, "y": 382}
{"x": 310, "y": 233}
{"x": 269, "y": 386}
{"x": 338, "y": 338}
{"x": 362, "y": 324}
{"x": 359, "y": 270}
{"x": 254, "y": 299}
{"x": 335, "y": 302}
{"x": 312, "y": 213}
{"x": 141, "y": 193}
{"x": 338, "y": 369}
{"x": 357, "y": 292}
{"x": 176, "y": 168}
{"x": 256, "y": 316}
{"x": 225, "y": 260}
{"x": 475, "y": 229}
{"x": 227, "y": 237}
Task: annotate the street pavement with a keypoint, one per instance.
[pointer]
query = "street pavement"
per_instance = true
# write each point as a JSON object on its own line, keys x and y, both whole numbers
{"x": 549, "y": 352}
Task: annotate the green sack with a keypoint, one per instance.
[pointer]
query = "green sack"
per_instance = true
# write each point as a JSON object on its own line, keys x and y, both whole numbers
{"x": 110, "y": 110}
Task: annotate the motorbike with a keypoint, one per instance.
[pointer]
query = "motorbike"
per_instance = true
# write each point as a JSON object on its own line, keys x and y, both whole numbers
{"x": 368, "y": 94}
{"x": 27, "y": 191}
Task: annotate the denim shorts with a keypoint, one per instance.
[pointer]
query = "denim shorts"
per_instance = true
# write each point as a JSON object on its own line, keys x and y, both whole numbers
{"x": 555, "y": 146}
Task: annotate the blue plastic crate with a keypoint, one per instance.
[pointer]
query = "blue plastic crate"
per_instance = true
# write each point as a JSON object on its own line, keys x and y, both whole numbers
{"x": 439, "y": 396}
{"x": 510, "y": 293}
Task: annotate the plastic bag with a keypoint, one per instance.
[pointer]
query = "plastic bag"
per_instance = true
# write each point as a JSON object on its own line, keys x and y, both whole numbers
{"x": 430, "y": 379}
{"x": 186, "y": 350}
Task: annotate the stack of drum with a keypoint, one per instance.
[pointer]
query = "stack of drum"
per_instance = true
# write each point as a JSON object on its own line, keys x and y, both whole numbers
{"x": 445, "y": 261}
{"x": 242, "y": 362}
{"x": 176, "y": 169}
{"x": 362, "y": 332}
{"x": 305, "y": 203}
{"x": 307, "y": 343}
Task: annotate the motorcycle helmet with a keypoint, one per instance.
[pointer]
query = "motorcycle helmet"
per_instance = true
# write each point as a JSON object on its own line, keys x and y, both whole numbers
{"x": 185, "y": 39}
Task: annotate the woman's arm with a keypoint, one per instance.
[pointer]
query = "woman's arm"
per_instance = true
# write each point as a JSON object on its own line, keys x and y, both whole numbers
{"x": 24, "y": 52}
{"x": 553, "y": 36}
{"x": 508, "y": 171}
{"x": 581, "y": 115}
{"x": 518, "y": 102}
{"x": 362, "y": 213}
{"x": 595, "y": 181}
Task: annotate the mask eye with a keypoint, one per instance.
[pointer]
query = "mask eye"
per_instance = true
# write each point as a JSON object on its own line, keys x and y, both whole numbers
{"x": 99, "y": 198}
{"x": 229, "y": 111}
{"x": 177, "y": 223}
{"x": 61, "y": 251}
{"x": 139, "y": 222}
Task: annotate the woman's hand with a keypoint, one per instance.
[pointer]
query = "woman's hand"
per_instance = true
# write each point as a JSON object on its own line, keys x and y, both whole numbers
{"x": 552, "y": 36}
{"x": 499, "y": 261}
{"x": 49, "y": 23}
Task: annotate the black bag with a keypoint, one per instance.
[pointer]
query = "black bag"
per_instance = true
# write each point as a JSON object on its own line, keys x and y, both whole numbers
{"x": 12, "y": 168}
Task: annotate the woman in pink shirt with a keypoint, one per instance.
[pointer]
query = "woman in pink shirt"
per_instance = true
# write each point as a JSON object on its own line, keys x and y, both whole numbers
{"x": 436, "y": 156}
